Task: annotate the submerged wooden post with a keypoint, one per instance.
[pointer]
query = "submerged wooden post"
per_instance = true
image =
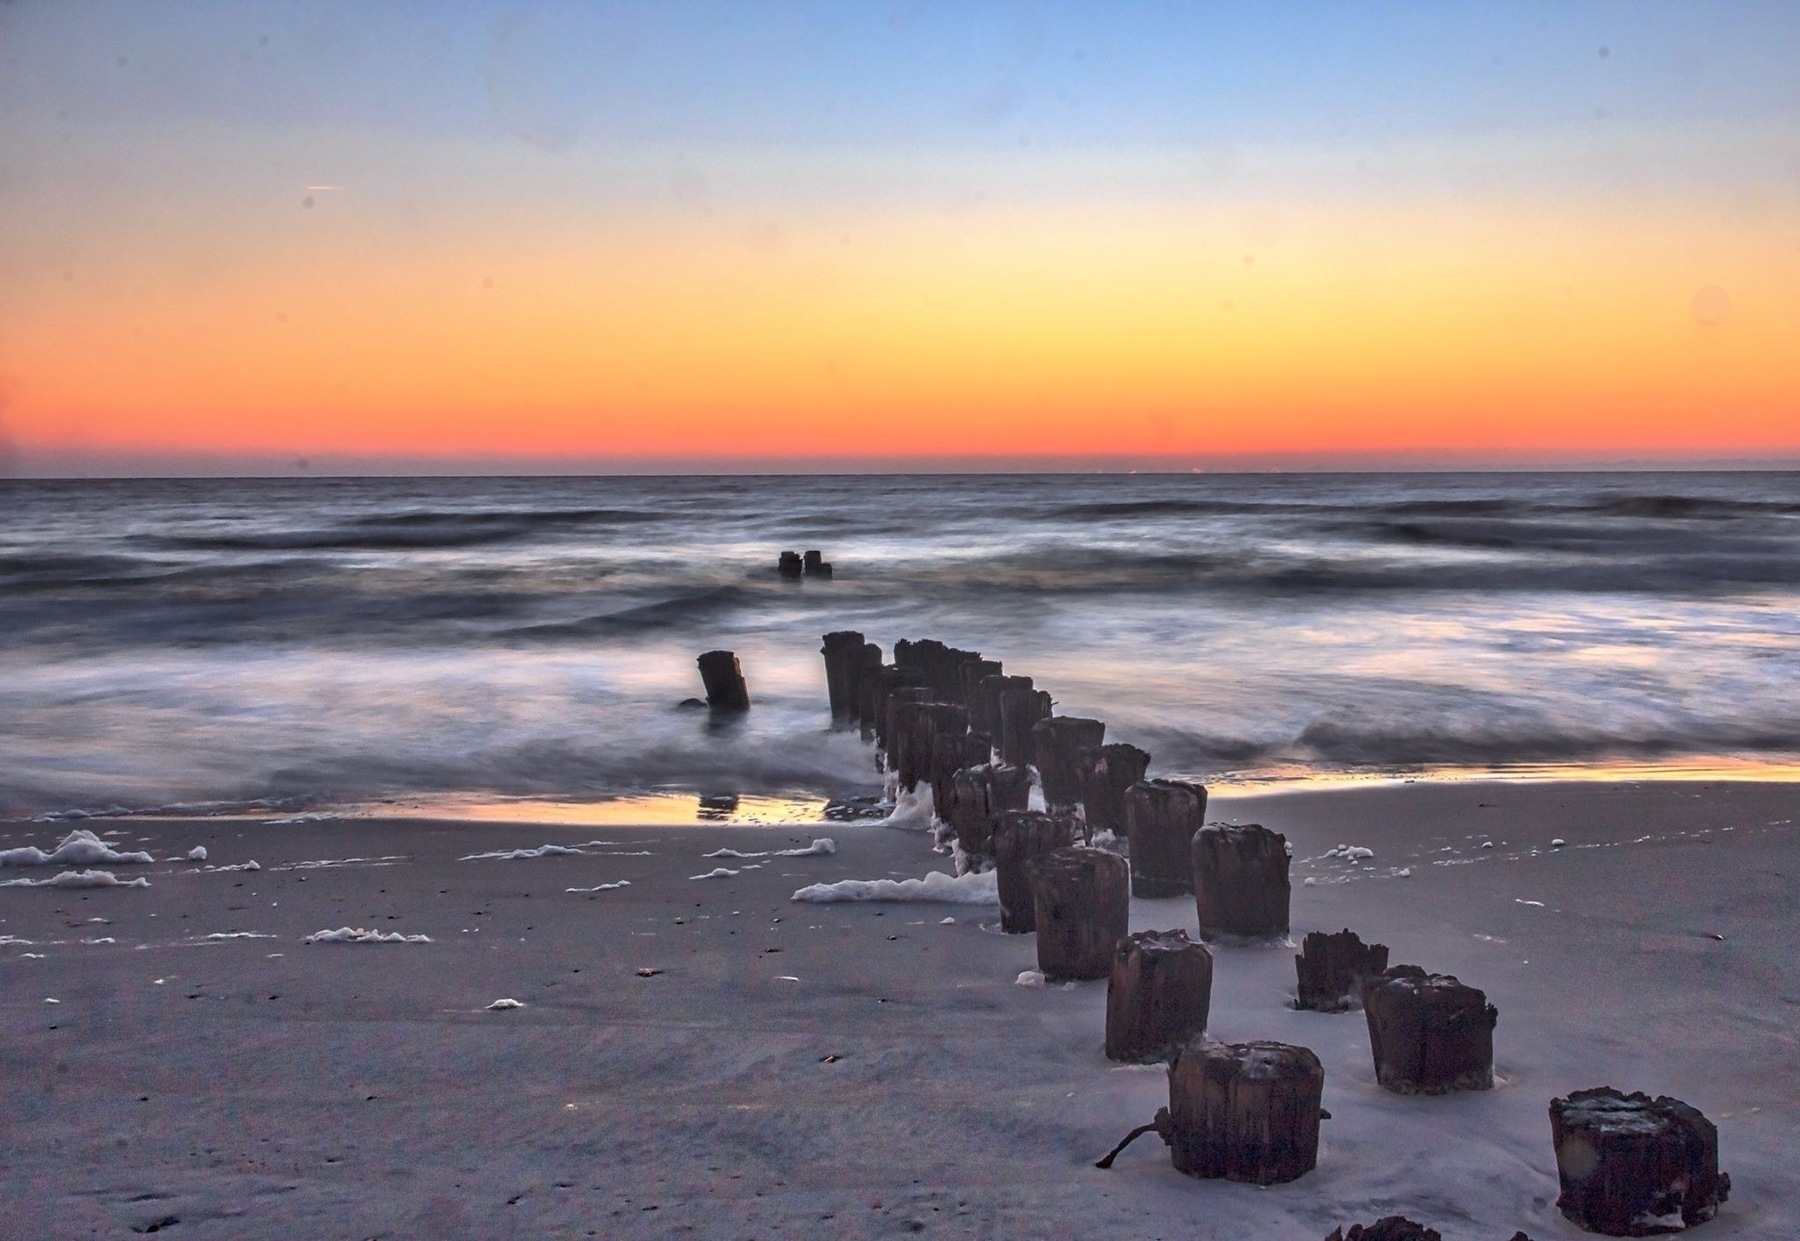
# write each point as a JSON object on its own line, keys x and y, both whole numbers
{"x": 1632, "y": 1166}
{"x": 1056, "y": 744}
{"x": 724, "y": 680}
{"x": 1158, "y": 994}
{"x": 1021, "y": 707}
{"x": 1019, "y": 836}
{"x": 815, "y": 564}
{"x": 1429, "y": 1033}
{"x": 789, "y": 565}
{"x": 1245, "y": 1111}
{"x": 1241, "y": 881}
{"x": 1161, "y": 818}
{"x": 1332, "y": 969}
{"x": 983, "y": 793}
{"x": 1104, "y": 776}
{"x": 1082, "y": 899}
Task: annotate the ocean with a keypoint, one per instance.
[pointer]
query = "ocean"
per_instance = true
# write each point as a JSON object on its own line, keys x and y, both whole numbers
{"x": 518, "y": 647}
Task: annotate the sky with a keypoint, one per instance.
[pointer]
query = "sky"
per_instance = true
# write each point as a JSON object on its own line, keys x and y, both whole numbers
{"x": 367, "y": 237}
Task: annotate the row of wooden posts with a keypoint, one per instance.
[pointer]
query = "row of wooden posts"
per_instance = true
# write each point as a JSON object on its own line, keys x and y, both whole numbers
{"x": 955, "y": 722}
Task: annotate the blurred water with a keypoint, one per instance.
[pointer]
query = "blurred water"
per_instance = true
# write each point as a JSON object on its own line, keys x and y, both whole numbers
{"x": 325, "y": 641}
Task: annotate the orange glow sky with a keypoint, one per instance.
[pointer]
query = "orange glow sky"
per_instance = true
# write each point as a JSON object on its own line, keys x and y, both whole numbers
{"x": 1549, "y": 288}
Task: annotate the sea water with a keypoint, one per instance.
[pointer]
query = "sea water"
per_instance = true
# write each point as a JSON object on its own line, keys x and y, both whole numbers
{"x": 475, "y": 645}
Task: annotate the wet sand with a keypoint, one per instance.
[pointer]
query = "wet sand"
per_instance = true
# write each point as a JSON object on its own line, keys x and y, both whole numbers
{"x": 852, "y": 1070}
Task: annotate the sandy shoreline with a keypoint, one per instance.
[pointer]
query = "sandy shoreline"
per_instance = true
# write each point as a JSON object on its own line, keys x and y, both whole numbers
{"x": 265, "y": 1086}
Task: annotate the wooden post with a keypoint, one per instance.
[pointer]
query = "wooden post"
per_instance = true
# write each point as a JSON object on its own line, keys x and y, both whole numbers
{"x": 939, "y": 666}
{"x": 974, "y": 672}
{"x": 789, "y": 565}
{"x": 1104, "y": 776}
{"x": 724, "y": 680}
{"x": 984, "y": 710}
{"x": 1021, "y": 707}
{"x": 1082, "y": 899}
{"x": 1161, "y": 818}
{"x": 1332, "y": 969}
{"x": 1240, "y": 881}
{"x": 914, "y": 741}
{"x": 1429, "y": 1033}
{"x": 951, "y": 755}
{"x": 1056, "y": 742}
{"x": 1245, "y": 1111}
{"x": 1391, "y": 1228}
{"x": 841, "y": 650}
{"x": 860, "y": 667}
{"x": 897, "y": 695}
{"x": 1158, "y": 994}
{"x": 815, "y": 564}
{"x": 1632, "y": 1166}
{"x": 982, "y": 794}
{"x": 1019, "y": 836}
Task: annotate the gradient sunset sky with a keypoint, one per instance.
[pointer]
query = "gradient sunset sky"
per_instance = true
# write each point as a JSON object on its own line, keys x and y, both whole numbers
{"x": 285, "y": 236}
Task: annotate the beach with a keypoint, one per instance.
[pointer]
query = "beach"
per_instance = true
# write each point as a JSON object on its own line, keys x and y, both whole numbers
{"x": 708, "y": 1057}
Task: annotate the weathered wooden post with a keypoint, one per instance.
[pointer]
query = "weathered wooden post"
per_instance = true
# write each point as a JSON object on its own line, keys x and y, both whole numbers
{"x": 1240, "y": 881}
{"x": 984, "y": 710}
{"x": 888, "y": 728}
{"x": 1245, "y": 1111}
{"x": 974, "y": 672}
{"x": 724, "y": 680}
{"x": 842, "y": 648}
{"x": 1056, "y": 743}
{"x": 1021, "y": 707}
{"x": 951, "y": 754}
{"x": 915, "y": 740}
{"x": 1158, "y": 994}
{"x": 1332, "y": 969}
{"x": 1161, "y": 819}
{"x": 789, "y": 565}
{"x": 1429, "y": 1033}
{"x": 1633, "y": 1166}
{"x": 860, "y": 667}
{"x": 983, "y": 792}
{"x": 1104, "y": 776}
{"x": 1082, "y": 899}
{"x": 1019, "y": 836}
{"x": 815, "y": 564}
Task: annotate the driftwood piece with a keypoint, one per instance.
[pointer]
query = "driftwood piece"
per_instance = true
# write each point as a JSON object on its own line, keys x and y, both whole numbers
{"x": 842, "y": 650}
{"x": 1332, "y": 969}
{"x": 1240, "y": 881}
{"x": 1057, "y": 743}
{"x": 1633, "y": 1166}
{"x": 982, "y": 793}
{"x": 1019, "y": 836}
{"x": 789, "y": 565}
{"x": 815, "y": 564}
{"x": 1161, "y": 818}
{"x": 1245, "y": 1111}
{"x": 724, "y": 680}
{"x": 1021, "y": 707}
{"x": 1104, "y": 776}
{"x": 1392, "y": 1228}
{"x": 1429, "y": 1033}
{"x": 1158, "y": 994}
{"x": 1082, "y": 899}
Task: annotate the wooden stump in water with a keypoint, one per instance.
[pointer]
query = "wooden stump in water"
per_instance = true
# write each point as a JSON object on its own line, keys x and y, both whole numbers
{"x": 889, "y": 728}
{"x": 1021, "y": 707}
{"x": 1240, "y": 880}
{"x": 789, "y": 565}
{"x": 1158, "y": 994}
{"x": 1057, "y": 743}
{"x": 1104, "y": 776}
{"x": 1429, "y": 1033}
{"x": 860, "y": 667}
{"x": 1633, "y": 1166}
{"x": 973, "y": 673}
{"x": 982, "y": 793}
{"x": 1161, "y": 819}
{"x": 1245, "y": 1111}
{"x": 724, "y": 680}
{"x": 1393, "y": 1228}
{"x": 1082, "y": 899}
{"x": 939, "y": 666}
{"x": 842, "y": 649}
{"x": 1019, "y": 836}
{"x": 917, "y": 727}
{"x": 984, "y": 710}
{"x": 816, "y": 565}
{"x": 1332, "y": 969}
{"x": 951, "y": 753}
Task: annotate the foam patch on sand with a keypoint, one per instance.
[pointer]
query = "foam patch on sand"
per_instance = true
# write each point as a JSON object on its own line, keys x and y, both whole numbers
{"x": 240, "y": 935}
{"x": 79, "y": 848}
{"x": 521, "y": 855}
{"x": 913, "y": 812}
{"x": 79, "y": 879}
{"x": 252, "y": 864}
{"x": 358, "y": 935}
{"x": 818, "y": 848}
{"x": 602, "y": 887}
{"x": 197, "y": 853}
{"x": 504, "y": 1005}
{"x": 722, "y": 872}
{"x": 325, "y": 863}
{"x": 972, "y": 889}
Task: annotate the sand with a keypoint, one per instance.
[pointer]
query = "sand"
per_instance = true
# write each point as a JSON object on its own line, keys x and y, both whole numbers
{"x": 851, "y": 1070}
